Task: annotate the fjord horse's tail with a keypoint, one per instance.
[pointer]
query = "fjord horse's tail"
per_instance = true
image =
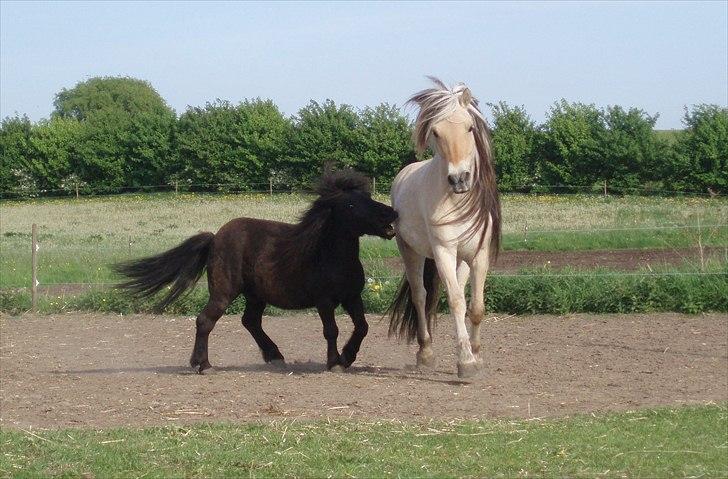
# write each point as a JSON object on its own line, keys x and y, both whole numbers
{"x": 180, "y": 268}
{"x": 402, "y": 312}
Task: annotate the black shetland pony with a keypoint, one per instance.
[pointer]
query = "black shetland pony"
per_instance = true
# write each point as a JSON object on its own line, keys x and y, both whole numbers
{"x": 314, "y": 263}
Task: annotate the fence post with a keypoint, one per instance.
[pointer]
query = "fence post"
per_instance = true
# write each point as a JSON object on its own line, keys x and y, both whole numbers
{"x": 605, "y": 187}
{"x": 270, "y": 186}
{"x": 34, "y": 260}
{"x": 77, "y": 190}
{"x": 175, "y": 186}
{"x": 374, "y": 184}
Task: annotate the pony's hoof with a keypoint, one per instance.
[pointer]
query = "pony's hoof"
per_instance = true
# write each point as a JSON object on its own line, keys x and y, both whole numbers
{"x": 337, "y": 368}
{"x": 426, "y": 361}
{"x": 278, "y": 363}
{"x": 468, "y": 370}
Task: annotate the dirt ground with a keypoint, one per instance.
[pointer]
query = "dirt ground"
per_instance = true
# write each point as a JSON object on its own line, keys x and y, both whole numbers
{"x": 618, "y": 259}
{"x": 91, "y": 370}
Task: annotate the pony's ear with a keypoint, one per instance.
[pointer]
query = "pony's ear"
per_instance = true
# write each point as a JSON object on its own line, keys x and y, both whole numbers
{"x": 465, "y": 98}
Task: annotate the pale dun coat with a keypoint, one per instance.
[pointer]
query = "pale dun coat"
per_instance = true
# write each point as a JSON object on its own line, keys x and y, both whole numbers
{"x": 449, "y": 212}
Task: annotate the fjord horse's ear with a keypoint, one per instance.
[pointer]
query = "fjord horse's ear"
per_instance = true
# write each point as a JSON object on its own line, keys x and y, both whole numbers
{"x": 465, "y": 98}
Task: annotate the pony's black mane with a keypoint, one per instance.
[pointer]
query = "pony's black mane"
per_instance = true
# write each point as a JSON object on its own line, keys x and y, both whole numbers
{"x": 304, "y": 242}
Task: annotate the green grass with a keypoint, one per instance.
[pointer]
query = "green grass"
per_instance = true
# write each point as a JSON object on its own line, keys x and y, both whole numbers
{"x": 532, "y": 292}
{"x": 80, "y": 238}
{"x": 684, "y": 442}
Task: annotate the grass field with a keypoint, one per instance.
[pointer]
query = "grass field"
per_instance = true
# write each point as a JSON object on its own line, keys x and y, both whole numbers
{"x": 685, "y": 442}
{"x": 80, "y": 238}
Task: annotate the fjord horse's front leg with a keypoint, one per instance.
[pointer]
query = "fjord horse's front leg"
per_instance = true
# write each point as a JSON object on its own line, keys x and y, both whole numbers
{"x": 331, "y": 333}
{"x": 355, "y": 307}
{"x": 477, "y": 301}
{"x": 446, "y": 261}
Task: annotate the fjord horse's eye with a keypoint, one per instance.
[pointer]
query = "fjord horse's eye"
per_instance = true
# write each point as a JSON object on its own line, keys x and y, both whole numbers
{"x": 351, "y": 205}
{"x": 434, "y": 133}
{"x": 471, "y": 129}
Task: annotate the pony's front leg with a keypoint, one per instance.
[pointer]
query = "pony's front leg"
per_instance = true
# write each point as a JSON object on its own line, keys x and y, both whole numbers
{"x": 331, "y": 333}
{"x": 355, "y": 307}
{"x": 447, "y": 268}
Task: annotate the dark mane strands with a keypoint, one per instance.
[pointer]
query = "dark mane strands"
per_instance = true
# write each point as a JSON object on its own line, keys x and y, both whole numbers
{"x": 435, "y": 104}
{"x": 308, "y": 232}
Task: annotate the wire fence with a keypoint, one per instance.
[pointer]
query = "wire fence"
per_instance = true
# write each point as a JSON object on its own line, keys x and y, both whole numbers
{"x": 37, "y": 281}
{"x": 378, "y": 186}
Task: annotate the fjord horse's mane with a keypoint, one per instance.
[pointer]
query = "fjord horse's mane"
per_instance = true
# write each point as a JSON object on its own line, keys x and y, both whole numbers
{"x": 437, "y": 104}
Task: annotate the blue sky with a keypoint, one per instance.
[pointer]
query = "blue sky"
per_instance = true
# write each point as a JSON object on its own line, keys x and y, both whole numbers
{"x": 658, "y": 56}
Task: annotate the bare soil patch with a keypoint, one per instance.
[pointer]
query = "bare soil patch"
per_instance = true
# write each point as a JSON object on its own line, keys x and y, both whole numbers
{"x": 94, "y": 370}
{"x": 619, "y": 259}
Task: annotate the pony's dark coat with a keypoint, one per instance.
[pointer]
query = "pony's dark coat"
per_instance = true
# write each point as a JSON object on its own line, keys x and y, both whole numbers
{"x": 314, "y": 263}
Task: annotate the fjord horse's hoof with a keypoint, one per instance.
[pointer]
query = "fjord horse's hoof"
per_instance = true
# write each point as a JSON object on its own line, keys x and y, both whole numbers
{"x": 337, "y": 368}
{"x": 468, "y": 370}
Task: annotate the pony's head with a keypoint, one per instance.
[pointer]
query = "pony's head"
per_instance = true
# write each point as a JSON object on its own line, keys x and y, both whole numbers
{"x": 345, "y": 205}
{"x": 450, "y": 123}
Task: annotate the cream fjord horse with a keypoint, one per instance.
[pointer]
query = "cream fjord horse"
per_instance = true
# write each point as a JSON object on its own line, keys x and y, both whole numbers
{"x": 449, "y": 222}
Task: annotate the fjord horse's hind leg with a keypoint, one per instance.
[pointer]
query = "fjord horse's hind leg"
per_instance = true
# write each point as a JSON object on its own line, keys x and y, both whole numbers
{"x": 206, "y": 320}
{"x": 414, "y": 266}
{"x": 355, "y": 308}
{"x": 252, "y": 320}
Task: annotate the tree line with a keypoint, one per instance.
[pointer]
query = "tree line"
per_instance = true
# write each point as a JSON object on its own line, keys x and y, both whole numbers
{"x": 111, "y": 134}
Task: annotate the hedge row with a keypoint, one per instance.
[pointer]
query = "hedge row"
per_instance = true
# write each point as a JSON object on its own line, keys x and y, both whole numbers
{"x": 518, "y": 294}
{"x": 112, "y": 134}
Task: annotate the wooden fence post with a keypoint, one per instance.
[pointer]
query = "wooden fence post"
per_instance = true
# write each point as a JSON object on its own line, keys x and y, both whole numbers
{"x": 34, "y": 261}
{"x": 270, "y": 186}
{"x": 175, "y": 186}
{"x": 605, "y": 187}
{"x": 374, "y": 184}
{"x": 77, "y": 190}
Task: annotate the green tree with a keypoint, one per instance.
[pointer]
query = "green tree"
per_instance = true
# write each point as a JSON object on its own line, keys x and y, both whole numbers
{"x": 630, "y": 150}
{"x": 701, "y": 159}
{"x": 231, "y": 144}
{"x": 127, "y": 94}
{"x": 15, "y": 171}
{"x": 514, "y": 141}
{"x": 323, "y": 135}
{"x": 385, "y": 142}
{"x": 52, "y": 151}
{"x": 126, "y": 132}
{"x": 569, "y": 145}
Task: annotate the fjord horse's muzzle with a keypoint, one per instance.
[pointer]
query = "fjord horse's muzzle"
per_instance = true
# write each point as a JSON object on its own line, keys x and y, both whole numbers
{"x": 460, "y": 182}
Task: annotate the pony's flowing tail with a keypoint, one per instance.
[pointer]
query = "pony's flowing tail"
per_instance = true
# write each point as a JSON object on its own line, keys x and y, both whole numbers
{"x": 402, "y": 312}
{"x": 181, "y": 267}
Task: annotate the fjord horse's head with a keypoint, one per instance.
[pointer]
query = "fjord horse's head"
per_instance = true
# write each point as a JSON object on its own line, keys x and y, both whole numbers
{"x": 450, "y": 123}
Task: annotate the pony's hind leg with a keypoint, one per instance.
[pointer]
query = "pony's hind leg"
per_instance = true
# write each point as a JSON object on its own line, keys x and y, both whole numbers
{"x": 253, "y": 321}
{"x": 206, "y": 321}
{"x": 414, "y": 266}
